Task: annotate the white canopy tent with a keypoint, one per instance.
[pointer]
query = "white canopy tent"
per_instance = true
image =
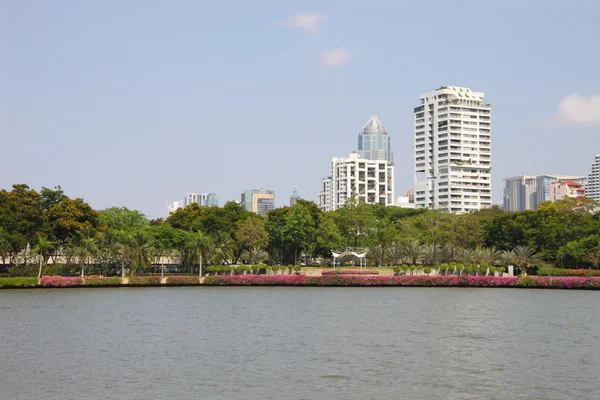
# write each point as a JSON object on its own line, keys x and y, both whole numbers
{"x": 361, "y": 256}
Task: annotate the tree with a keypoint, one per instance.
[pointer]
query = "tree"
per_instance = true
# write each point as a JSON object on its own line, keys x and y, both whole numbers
{"x": 357, "y": 224}
{"x": 299, "y": 229}
{"x": 254, "y": 255}
{"x": 42, "y": 248}
{"x": 21, "y": 217}
{"x": 86, "y": 249}
{"x": 122, "y": 219}
{"x": 414, "y": 251}
{"x": 251, "y": 233}
{"x": 524, "y": 257}
{"x": 196, "y": 248}
{"x": 140, "y": 251}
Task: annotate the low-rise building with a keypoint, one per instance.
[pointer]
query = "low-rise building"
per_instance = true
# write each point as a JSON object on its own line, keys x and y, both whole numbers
{"x": 563, "y": 189}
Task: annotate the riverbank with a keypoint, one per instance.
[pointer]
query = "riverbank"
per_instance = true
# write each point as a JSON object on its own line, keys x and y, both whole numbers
{"x": 539, "y": 282}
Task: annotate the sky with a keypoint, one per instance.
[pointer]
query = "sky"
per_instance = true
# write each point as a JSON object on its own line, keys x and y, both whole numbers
{"x": 135, "y": 103}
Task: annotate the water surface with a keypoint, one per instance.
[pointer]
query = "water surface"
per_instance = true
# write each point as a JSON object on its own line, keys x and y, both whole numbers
{"x": 299, "y": 343}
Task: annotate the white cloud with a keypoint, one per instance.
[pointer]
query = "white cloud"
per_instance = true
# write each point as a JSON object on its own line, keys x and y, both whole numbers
{"x": 307, "y": 21}
{"x": 336, "y": 57}
{"x": 578, "y": 110}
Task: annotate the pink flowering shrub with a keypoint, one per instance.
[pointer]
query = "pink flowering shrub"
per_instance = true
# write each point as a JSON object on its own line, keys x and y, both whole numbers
{"x": 404, "y": 280}
{"x": 144, "y": 280}
{"x": 60, "y": 281}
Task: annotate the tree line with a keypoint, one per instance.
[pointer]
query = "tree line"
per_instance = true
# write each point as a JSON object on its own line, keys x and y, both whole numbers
{"x": 36, "y": 227}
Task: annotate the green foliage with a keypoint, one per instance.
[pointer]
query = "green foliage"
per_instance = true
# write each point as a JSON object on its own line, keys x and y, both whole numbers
{"x": 102, "y": 281}
{"x": 427, "y": 270}
{"x": 6, "y": 283}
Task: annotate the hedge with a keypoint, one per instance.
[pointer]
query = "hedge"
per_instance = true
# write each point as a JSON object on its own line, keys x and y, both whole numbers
{"x": 351, "y": 272}
{"x": 183, "y": 280}
{"x": 144, "y": 280}
{"x": 102, "y": 281}
{"x": 60, "y": 281}
{"x": 567, "y": 272}
{"x": 405, "y": 280}
{"x": 6, "y": 283}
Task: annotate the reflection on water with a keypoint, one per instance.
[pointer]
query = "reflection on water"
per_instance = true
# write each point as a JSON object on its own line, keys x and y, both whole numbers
{"x": 299, "y": 343}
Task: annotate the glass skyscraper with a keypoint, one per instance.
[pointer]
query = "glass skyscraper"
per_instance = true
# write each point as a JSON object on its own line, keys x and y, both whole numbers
{"x": 374, "y": 141}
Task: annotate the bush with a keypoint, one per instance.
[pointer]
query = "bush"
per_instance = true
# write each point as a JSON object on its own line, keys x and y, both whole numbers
{"x": 396, "y": 269}
{"x": 144, "y": 280}
{"x": 18, "y": 282}
{"x": 24, "y": 270}
{"x": 427, "y": 270}
{"x": 60, "y": 281}
{"x": 567, "y": 272}
{"x": 183, "y": 280}
{"x": 114, "y": 281}
{"x": 405, "y": 280}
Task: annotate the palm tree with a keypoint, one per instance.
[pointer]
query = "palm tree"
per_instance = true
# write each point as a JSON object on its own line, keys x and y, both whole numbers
{"x": 395, "y": 253}
{"x": 140, "y": 251}
{"x": 414, "y": 251}
{"x": 197, "y": 247}
{"x": 254, "y": 255}
{"x": 376, "y": 254}
{"x": 463, "y": 255}
{"x": 86, "y": 248}
{"x": 41, "y": 248}
{"x": 431, "y": 253}
{"x": 524, "y": 257}
{"x": 224, "y": 250}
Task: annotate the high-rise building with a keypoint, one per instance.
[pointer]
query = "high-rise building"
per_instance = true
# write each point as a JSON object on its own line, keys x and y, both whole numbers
{"x": 592, "y": 189}
{"x": 326, "y": 194}
{"x": 294, "y": 198}
{"x": 258, "y": 201}
{"x": 527, "y": 192}
{"x": 452, "y": 150}
{"x": 171, "y": 208}
{"x": 520, "y": 193}
{"x": 202, "y": 199}
{"x": 374, "y": 141}
{"x": 370, "y": 181}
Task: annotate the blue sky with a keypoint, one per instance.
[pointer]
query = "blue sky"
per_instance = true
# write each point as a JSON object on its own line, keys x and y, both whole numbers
{"x": 131, "y": 103}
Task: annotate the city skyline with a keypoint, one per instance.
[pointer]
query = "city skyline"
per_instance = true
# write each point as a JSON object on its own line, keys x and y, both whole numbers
{"x": 160, "y": 105}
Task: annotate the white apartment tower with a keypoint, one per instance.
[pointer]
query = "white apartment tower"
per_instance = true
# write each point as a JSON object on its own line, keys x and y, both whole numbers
{"x": 452, "y": 150}
{"x": 370, "y": 181}
{"x": 592, "y": 189}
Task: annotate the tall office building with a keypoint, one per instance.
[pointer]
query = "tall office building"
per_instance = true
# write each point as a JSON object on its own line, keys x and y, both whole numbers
{"x": 527, "y": 192}
{"x": 452, "y": 150}
{"x": 202, "y": 199}
{"x": 592, "y": 189}
{"x": 374, "y": 141}
{"x": 370, "y": 181}
{"x": 520, "y": 193}
{"x": 258, "y": 201}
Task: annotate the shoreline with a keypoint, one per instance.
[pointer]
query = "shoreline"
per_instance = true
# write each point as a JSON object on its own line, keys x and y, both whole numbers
{"x": 462, "y": 281}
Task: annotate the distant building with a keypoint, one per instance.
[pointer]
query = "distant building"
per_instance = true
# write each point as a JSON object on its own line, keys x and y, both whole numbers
{"x": 258, "y": 201}
{"x": 202, "y": 199}
{"x": 374, "y": 141}
{"x": 526, "y": 192}
{"x": 563, "y": 189}
{"x": 171, "y": 208}
{"x": 370, "y": 181}
{"x": 452, "y": 150}
{"x": 520, "y": 193}
{"x": 326, "y": 194}
{"x": 403, "y": 202}
{"x": 592, "y": 189}
{"x": 294, "y": 198}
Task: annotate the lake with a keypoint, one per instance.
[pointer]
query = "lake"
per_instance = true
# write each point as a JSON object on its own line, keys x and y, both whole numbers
{"x": 299, "y": 343}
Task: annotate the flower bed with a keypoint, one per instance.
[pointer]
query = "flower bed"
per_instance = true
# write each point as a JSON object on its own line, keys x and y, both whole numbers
{"x": 567, "y": 272}
{"x": 183, "y": 280}
{"x": 407, "y": 281}
{"x": 102, "y": 281}
{"x": 6, "y": 283}
{"x": 350, "y": 272}
{"x": 60, "y": 281}
{"x": 144, "y": 280}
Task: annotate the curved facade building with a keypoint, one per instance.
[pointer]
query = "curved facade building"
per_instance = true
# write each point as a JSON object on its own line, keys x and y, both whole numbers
{"x": 374, "y": 141}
